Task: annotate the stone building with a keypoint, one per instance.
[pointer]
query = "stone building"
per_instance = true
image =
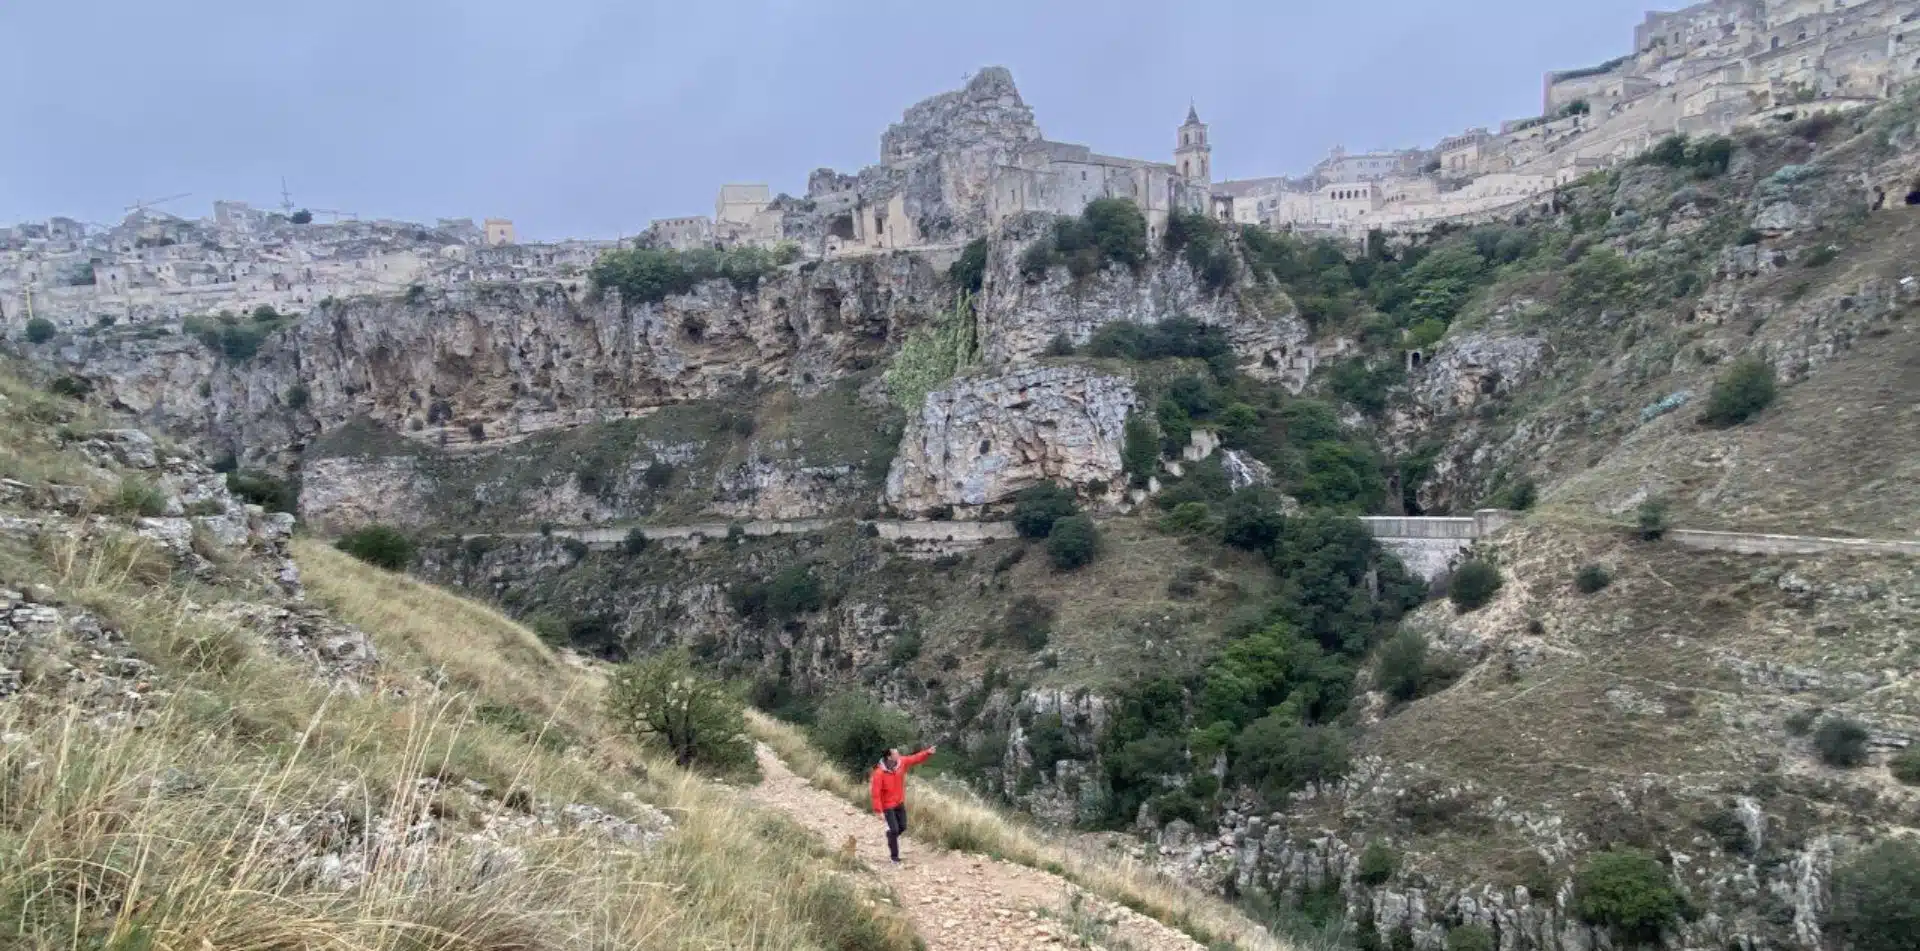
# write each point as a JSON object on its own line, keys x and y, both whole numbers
{"x": 499, "y": 231}
{"x": 1704, "y": 70}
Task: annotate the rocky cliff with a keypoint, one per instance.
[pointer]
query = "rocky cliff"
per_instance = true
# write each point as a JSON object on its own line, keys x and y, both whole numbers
{"x": 982, "y": 439}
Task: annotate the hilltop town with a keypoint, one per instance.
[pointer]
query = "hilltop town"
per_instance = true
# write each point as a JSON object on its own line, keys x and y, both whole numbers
{"x": 961, "y": 163}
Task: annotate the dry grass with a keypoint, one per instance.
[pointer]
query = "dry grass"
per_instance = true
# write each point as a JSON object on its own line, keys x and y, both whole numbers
{"x": 220, "y": 824}
{"x": 959, "y": 821}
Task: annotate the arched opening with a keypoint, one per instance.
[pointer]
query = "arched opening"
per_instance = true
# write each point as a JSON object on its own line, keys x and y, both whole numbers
{"x": 986, "y": 446}
{"x": 1913, "y": 197}
{"x": 841, "y": 227}
{"x": 1186, "y": 167}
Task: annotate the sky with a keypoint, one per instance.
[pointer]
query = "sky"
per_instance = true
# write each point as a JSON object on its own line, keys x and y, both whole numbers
{"x": 588, "y": 118}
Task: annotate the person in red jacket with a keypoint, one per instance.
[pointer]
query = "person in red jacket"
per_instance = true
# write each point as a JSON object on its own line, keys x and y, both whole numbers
{"x": 890, "y": 794}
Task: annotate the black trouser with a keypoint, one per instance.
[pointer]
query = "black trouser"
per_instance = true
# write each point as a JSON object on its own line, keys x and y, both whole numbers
{"x": 896, "y": 825}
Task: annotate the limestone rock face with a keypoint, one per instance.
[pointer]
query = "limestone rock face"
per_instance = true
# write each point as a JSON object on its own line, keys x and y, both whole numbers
{"x": 341, "y": 494}
{"x": 978, "y": 441}
{"x": 987, "y": 113}
{"x": 489, "y": 363}
{"x": 1020, "y": 318}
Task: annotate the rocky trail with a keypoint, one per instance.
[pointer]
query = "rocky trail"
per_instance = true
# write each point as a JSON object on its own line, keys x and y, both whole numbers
{"x": 960, "y": 901}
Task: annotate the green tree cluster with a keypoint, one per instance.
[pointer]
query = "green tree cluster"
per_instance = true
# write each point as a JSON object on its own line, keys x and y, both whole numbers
{"x": 1108, "y": 231}
{"x": 650, "y": 275}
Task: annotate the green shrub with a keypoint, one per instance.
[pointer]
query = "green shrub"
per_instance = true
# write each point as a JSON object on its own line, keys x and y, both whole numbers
{"x": 1591, "y": 579}
{"x": 1626, "y": 890}
{"x": 39, "y": 330}
{"x": 1189, "y": 518}
{"x": 1035, "y": 509}
{"x": 1906, "y": 766}
{"x": 379, "y": 546}
{"x": 1470, "y": 938}
{"x": 298, "y": 396}
{"x": 137, "y": 496}
{"x": 1048, "y": 742}
{"x": 1650, "y": 521}
{"x": 1378, "y": 863}
{"x": 1800, "y": 722}
{"x": 264, "y": 489}
{"x": 1060, "y": 346}
{"x": 658, "y": 476}
{"x": 1746, "y": 388}
{"x": 932, "y": 354}
{"x": 1073, "y": 542}
{"x": 1876, "y": 898}
{"x": 791, "y": 592}
{"x": 701, "y": 722}
{"x": 969, "y": 273}
{"x": 1473, "y": 585}
{"x": 1820, "y": 256}
{"x": 72, "y": 387}
{"x": 1401, "y": 668}
{"x": 1518, "y": 495}
{"x": 635, "y": 542}
{"x": 1028, "y": 624}
{"x": 853, "y": 731}
{"x": 1842, "y": 743}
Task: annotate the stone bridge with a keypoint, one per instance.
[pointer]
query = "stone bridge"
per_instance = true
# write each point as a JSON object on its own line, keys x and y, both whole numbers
{"x": 1429, "y": 546}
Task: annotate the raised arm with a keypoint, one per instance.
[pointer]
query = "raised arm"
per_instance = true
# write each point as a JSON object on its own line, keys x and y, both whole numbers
{"x": 916, "y": 759}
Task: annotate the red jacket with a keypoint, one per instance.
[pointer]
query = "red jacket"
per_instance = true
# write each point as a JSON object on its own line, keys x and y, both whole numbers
{"x": 890, "y": 785}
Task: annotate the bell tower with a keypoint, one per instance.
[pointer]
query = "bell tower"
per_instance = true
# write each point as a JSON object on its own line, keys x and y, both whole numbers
{"x": 1193, "y": 156}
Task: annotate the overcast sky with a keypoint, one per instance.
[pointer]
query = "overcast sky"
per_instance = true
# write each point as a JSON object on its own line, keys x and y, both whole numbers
{"x": 590, "y": 117}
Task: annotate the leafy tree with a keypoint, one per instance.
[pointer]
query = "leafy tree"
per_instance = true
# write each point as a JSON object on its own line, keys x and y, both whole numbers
{"x": 1473, "y": 585}
{"x": 1140, "y": 454}
{"x": 1118, "y": 229}
{"x": 1035, "y": 509}
{"x": 1073, "y": 542}
{"x": 1252, "y": 520}
{"x": 853, "y": 731}
{"x": 39, "y": 330}
{"x": 302, "y": 217}
{"x": 1876, "y": 898}
{"x": 1626, "y": 890}
{"x": 701, "y": 722}
{"x": 635, "y": 542}
{"x": 1401, "y": 668}
{"x": 1746, "y": 388}
{"x": 1278, "y": 754}
{"x": 1841, "y": 742}
{"x": 379, "y": 546}
{"x": 1269, "y": 668}
{"x": 1378, "y": 863}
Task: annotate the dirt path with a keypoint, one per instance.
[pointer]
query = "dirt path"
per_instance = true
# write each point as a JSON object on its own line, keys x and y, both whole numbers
{"x": 964, "y": 902}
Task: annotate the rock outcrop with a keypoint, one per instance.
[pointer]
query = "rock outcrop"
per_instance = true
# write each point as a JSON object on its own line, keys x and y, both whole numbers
{"x": 1020, "y": 318}
{"x": 490, "y": 363}
{"x": 980, "y": 440}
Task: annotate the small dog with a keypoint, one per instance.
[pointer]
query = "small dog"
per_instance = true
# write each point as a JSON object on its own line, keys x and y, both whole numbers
{"x": 847, "y": 849}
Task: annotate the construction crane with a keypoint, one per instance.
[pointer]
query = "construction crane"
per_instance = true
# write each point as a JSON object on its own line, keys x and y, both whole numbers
{"x": 138, "y": 205}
